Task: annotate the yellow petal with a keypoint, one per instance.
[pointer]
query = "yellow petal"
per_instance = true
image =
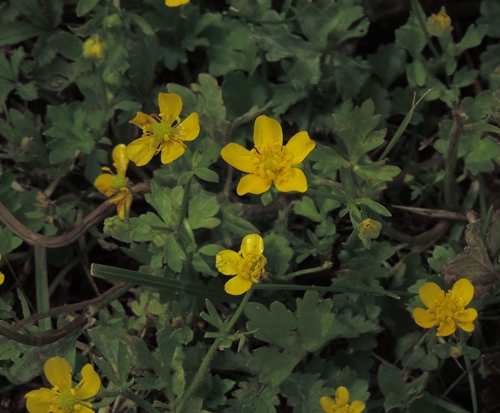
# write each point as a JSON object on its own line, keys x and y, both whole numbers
{"x": 175, "y": 3}
{"x": 327, "y": 404}
{"x": 189, "y": 128}
{"x": 430, "y": 293}
{"x": 120, "y": 158}
{"x": 357, "y": 406}
{"x": 142, "y": 150}
{"x": 141, "y": 120}
{"x": 2, "y": 277}
{"x": 238, "y": 157}
{"x": 124, "y": 203}
{"x": 468, "y": 327}
{"x": 171, "y": 151}
{"x": 341, "y": 396}
{"x": 266, "y": 131}
{"x": 252, "y": 244}
{"x": 253, "y": 184}
{"x": 300, "y": 145}
{"x": 423, "y": 318}
{"x": 89, "y": 385}
{"x": 446, "y": 328}
{"x": 103, "y": 184}
{"x": 466, "y": 316}
{"x": 227, "y": 262}
{"x": 295, "y": 180}
{"x": 170, "y": 107}
{"x": 238, "y": 285}
{"x": 464, "y": 289}
{"x": 58, "y": 373}
{"x": 86, "y": 408}
{"x": 40, "y": 401}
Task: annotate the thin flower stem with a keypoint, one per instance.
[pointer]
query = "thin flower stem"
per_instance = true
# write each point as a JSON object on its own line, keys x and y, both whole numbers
{"x": 292, "y": 275}
{"x": 42, "y": 286}
{"x": 423, "y": 26}
{"x": 470, "y": 374}
{"x": 451, "y": 159}
{"x": 459, "y": 379}
{"x": 139, "y": 401}
{"x": 184, "y": 205}
{"x": 211, "y": 353}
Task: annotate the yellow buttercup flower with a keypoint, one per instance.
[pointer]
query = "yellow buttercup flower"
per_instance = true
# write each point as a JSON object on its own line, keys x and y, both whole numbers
{"x": 438, "y": 25}
{"x": 247, "y": 265}
{"x": 165, "y": 133}
{"x": 2, "y": 276}
{"x": 63, "y": 398}
{"x": 447, "y": 311}
{"x": 270, "y": 161}
{"x": 175, "y": 3}
{"x": 341, "y": 403}
{"x": 369, "y": 229}
{"x": 94, "y": 47}
{"x": 116, "y": 186}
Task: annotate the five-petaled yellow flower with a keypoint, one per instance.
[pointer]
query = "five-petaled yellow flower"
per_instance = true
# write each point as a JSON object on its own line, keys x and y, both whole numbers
{"x": 341, "y": 403}
{"x": 116, "y": 186}
{"x": 270, "y": 161}
{"x": 165, "y": 133}
{"x": 447, "y": 311}
{"x": 247, "y": 264}
{"x": 175, "y": 3}
{"x": 63, "y": 398}
{"x": 2, "y": 276}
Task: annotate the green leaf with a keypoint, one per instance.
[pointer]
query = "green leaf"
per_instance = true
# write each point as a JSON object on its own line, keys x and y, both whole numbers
{"x": 27, "y": 91}
{"x": 377, "y": 171}
{"x": 416, "y": 73}
{"x": 388, "y": 63}
{"x": 84, "y": 6}
{"x": 17, "y": 32}
{"x": 278, "y": 247}
{"x": 201, "y": 210}
{"x": 143, "y": 24}
{"x": 303, "y": 392}
{"x": 411, "y": 36}
{"x": 493, "y": 239}
{"x": 390, "y": 380}
{"x": 328, "y": 160}
{"x": 375, "y": 206}
{"x": 174, "y": 255}
{"x": 166, "y": 203}
{"x": 307, "y": 208}
{"x": 211, "y": 249}
{"x": 272, "y": 365}
{"x": 207, "y": 174}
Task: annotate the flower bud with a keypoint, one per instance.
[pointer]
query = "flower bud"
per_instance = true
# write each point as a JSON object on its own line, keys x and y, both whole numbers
{"x": 369, "y": 229}
{"x": 455, "y": 352}
{"x": 94, "y": 48}
{"x": 111, "y": 21}
{"x": 440, "y": 24}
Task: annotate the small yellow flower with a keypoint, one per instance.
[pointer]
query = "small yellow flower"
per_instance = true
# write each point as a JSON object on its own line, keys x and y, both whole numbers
{"x": 447, "y": 311}
{"x": 438, "y": 25}
{"x": 369, "y": 229}
{"x": 247, "y": 264}
{"x": 2, "y": 276}
{"x": 175, "y": 3}
{"x": 63, "y": 398}
{"x": 116, "y": 186}
{"x": 166, "y": 135}
{"x": 270, "y": 161}
{"x": 341, "y": 403}
{"x": 94, "y": 48}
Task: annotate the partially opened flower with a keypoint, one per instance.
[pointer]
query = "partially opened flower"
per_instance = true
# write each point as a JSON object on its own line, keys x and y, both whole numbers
{"x": 270, "y": 161}
{"x": 341, "y": 403}
{"x": 62, "y": 397}
{"x": 163, "y": 133}
{"x": 439, "y": 24}
{"x": 447, "y": 311}
{"x": 116, "y": 186}
{"x": 247, "y": 265}
{"x": 175, "y": 3}
{"x": 94, "y": 48}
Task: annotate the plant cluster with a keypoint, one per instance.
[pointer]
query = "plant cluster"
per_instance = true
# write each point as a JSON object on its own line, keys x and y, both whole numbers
{"x": 346, "y": 184}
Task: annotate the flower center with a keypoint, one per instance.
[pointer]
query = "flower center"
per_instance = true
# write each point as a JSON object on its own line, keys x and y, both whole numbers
{"x": 118, "y": 182}
{"x": 252, "y": 266}
{"x": 448, "y": 307}
{"x": 272, "y": 161}
{"x": 68, "y": 402}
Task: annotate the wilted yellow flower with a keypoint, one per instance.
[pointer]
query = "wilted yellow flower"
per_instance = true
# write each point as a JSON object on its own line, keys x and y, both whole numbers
{"x": 175, "y": 3}
{"x": 341, "y": 403}
{"x": 247, "y": 264}
{"x": 438, "y": 25}
{"x": 63, "y": 398}
{"x": 116, "y": 186}
{"x": 94, "y": 48}
{"x": 2, "y": 276}
{"x": 369, "y": 229}
{"x": 165, "y": 133}
{"x": 270, "y": 161}
{"x": 447, "y": 311}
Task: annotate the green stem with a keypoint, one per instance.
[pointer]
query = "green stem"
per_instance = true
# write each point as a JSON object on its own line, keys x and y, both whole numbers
{"x": 139, "y": 401}
{"x": 287, "y": 277}
{"x": 470, "y": 374}
{"x": 184, "y": 205}
{"x": 451, "y": 160}
{"x": 459, "y": 379}
{"x": 42, "y": 286}
{"x": 211, "y": 353}
{"x": 423, "y": 26}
